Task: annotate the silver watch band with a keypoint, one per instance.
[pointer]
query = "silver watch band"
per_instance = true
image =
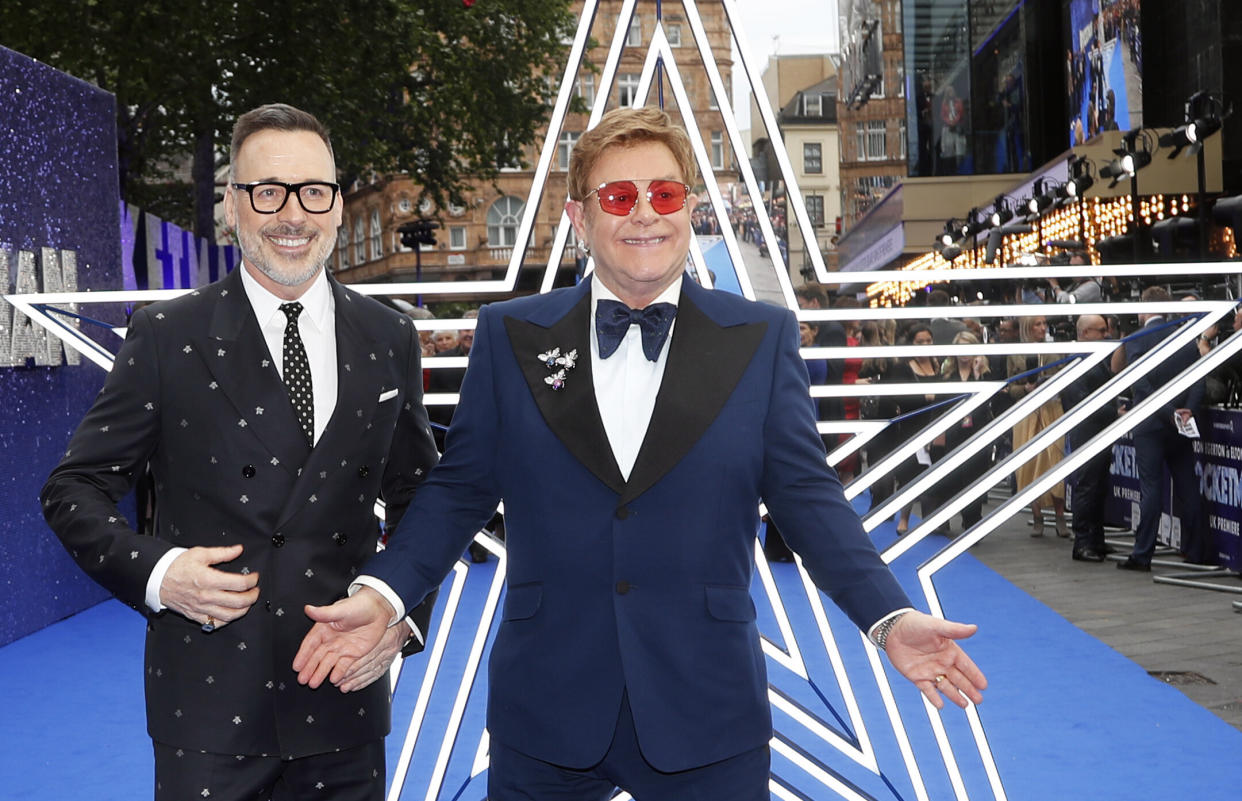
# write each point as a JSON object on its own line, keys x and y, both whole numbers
{"x": 880, "y": 635}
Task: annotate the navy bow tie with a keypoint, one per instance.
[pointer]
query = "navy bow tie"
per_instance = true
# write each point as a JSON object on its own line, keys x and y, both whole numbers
{"x": 613, "y": 319}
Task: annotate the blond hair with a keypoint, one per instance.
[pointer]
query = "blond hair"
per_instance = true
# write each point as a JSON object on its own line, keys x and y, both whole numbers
{"x": 627, "y": 127}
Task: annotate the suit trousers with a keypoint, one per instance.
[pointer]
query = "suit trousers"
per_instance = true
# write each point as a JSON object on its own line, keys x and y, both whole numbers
{"x": 1088, "y": 494}
{"x": 352, "y": 774}
{"x": 1153, "y": 451}
{"x": 513, "y": 776}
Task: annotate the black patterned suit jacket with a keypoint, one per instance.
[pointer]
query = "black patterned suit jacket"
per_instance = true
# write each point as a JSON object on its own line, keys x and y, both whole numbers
{"x": 194, "y": 393}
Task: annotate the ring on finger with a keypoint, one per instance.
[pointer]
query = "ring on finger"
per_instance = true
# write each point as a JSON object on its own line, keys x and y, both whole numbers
{"x": 939, "y": 679}
{"x": 210, "y": 625}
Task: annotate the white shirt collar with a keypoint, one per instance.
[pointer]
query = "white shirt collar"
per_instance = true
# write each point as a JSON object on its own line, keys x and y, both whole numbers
{"x": 316, "y": 300}
{"x": 671, "y": 293}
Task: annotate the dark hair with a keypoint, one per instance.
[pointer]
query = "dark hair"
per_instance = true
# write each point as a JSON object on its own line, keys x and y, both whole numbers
{"x": 1155, "y": 294}
{"x": 938, "y": 297}
{"x": 914, "y": 330}
{"x": 275, "y": 117}
{"x": 813, "y": 292}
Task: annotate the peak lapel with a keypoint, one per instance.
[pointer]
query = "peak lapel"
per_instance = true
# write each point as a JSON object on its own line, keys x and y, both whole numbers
{"x": 705, "y": 362}
{"x": 237, "y": 357}
{"x": 571, "y": 413}
{"x": 360, "y": 375}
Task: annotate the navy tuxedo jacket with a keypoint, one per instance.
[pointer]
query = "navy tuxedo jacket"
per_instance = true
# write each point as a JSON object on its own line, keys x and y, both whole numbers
{"x": 194, "y": 393}
{"x": 640, "y": 585}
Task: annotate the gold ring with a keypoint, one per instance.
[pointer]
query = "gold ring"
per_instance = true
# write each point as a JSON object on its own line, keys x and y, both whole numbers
{"x": 939, "y": 679}
{"x": 210, "y": 625}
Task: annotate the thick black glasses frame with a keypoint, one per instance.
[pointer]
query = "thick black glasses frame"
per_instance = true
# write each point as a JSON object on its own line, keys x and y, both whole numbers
{"x": 290, "y": 189}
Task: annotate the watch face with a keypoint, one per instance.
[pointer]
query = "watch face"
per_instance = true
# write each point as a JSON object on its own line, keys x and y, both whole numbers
{"x": 425, "y": 206}
{"x": 404, "y": 205}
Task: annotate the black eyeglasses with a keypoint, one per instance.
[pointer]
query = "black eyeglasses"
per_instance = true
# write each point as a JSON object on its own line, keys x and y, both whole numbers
{"x": 269, "y": 197}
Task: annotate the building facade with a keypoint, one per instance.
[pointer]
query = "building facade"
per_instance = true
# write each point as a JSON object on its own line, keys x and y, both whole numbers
{"x": 803, "y": 91}
{"x": 475, "y": 241}
{"x": 871, "y": 107}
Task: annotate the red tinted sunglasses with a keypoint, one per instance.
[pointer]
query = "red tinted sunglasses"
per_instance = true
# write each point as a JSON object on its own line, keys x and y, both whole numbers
{"x": 620, "y": 197}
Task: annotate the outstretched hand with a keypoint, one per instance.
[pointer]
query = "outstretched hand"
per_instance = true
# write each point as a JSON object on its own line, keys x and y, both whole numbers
{"x": 343, "y": 633}
{"x": 924, "y": 649}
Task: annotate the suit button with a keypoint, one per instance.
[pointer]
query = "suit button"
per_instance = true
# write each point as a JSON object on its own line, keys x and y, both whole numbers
{"x": 339, "y": 538}
{"x": 623, "y": 587}
{"x": 278, "y": 540}
{"x": 248, "y": 471}
{"x": 267, "y": 605}
{"x": 364, "y": 471}
{"x": 623, "y": 512}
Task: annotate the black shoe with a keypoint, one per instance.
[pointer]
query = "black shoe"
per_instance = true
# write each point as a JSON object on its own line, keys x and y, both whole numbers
{"x": 1131, "y": 564}
{"x": 1087, "y": 555}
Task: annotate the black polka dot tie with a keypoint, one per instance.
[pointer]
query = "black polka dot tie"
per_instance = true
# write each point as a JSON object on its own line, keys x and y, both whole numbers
{"x": 297, "y": 372}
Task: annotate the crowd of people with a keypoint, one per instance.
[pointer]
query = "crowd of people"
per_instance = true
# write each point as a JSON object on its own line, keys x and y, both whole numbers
{"x": 1157, "y": 441}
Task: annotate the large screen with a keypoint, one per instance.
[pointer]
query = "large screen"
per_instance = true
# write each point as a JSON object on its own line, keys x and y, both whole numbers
{"x": 1104, "y": 68}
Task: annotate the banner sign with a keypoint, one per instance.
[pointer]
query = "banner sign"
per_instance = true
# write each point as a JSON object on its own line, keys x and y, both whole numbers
{"x": 1218, "y": 456}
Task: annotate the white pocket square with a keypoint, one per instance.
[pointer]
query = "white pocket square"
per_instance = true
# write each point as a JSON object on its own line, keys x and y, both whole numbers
{"x": 392, "y": 393}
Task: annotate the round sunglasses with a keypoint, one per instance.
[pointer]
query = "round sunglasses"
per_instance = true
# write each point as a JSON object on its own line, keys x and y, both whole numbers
{"x": 620, "y": 197}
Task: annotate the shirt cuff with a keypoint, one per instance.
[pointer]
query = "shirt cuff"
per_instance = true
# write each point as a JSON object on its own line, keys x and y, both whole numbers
{"x": 881, "y": 621}
{"x": 156, "y": 579}
{"x": 391, "y": 597}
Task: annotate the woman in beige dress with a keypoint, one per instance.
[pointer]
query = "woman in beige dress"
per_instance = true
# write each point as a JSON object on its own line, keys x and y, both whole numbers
{"x": 1035, "y": 329}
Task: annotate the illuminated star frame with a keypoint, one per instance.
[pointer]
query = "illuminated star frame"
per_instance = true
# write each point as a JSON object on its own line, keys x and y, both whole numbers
{"x": 825, "y": 750}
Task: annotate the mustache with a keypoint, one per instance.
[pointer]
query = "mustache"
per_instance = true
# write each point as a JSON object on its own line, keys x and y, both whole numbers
{"x": 288, "y": 230}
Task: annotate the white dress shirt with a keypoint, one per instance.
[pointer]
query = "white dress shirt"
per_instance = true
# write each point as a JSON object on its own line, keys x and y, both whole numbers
{"x": 317, "y": 325}
{"x": 627, "y": 383}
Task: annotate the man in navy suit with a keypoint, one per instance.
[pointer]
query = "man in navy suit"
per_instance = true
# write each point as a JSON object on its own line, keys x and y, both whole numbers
{"x": 1157, "y": 443}
{"x": 631, "y": 466}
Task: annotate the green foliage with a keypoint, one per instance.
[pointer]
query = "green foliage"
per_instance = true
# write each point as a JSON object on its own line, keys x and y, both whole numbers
{"x": 428, "y": 87}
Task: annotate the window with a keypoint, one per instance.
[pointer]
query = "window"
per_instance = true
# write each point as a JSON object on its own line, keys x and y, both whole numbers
{"x": 815, "y": 210}
{"x": 712, "y": 102}
{"x": 586, "y": 89}
{"x": 877, "y": 140}
{"x": 502, "y": 222}
{"x": 812, "y": 106}
{"x": 860, "y": 143}
{"x": 812, "y": 158}
{"x": 457, "y": 237}
{"x": 564, "y": 147}
{"x": 635, "y": 36}
{"x": 673, "y": 31}
{"x": 718, "y": 157}
{"x": 899, "y": 69}
{"x": 360, "y": 246}
{"x": 627, "y": 83}
{"x": 342, "y": 246}
{"x": 377, "y": 236}
{"x": 902, "y": 141}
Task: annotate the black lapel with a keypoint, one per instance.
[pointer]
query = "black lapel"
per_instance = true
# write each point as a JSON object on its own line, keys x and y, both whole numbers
{"x": 360, "y": 360}
{"x": 571, "y": 413}
{"x": 705, "y": 362}
{"x": 242, "y": 369}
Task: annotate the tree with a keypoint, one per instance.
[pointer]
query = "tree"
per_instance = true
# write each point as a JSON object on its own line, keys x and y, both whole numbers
{"x": 444, "y": 90}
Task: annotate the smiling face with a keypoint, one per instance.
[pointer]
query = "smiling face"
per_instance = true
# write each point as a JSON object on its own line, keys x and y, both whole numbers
{"x": 283, "y": 251}
{"x": 639, "y": 255}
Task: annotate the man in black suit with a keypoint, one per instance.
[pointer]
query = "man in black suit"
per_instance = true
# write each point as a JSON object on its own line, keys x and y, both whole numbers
{"x": 273, "y": 408}
{"x": 1157, "y": 443}
{"x": 1089, "y": 485}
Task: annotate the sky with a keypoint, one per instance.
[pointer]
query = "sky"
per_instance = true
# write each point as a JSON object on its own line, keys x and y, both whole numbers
{"x": 783, "y": 27}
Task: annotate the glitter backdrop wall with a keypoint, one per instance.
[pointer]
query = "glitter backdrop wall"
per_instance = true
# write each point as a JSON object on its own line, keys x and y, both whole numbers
{"x": 59, "y": 227}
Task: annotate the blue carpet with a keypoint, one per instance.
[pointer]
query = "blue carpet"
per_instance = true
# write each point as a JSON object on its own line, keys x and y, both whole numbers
{"x": 1066, "y": 716}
